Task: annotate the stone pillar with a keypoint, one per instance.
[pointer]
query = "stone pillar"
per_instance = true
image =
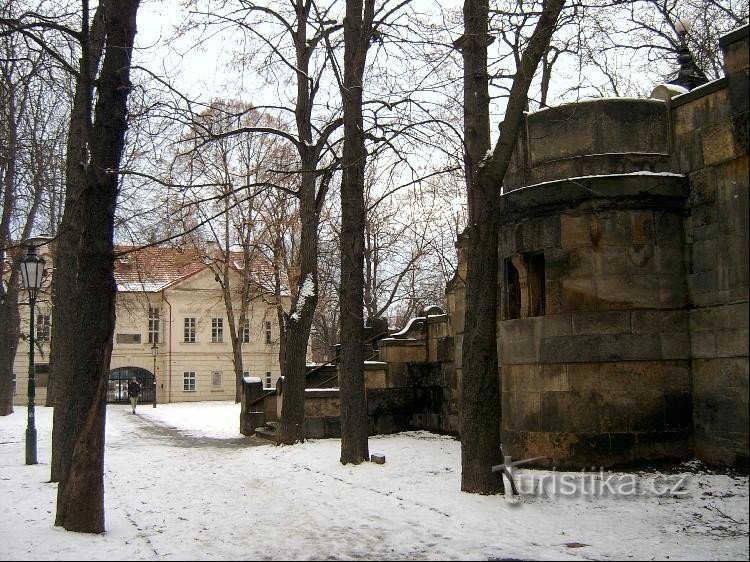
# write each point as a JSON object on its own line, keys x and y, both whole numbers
{"x": 251, "y": 411}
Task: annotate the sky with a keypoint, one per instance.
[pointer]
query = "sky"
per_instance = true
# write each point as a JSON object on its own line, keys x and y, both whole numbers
{"x": 182, "y": 484}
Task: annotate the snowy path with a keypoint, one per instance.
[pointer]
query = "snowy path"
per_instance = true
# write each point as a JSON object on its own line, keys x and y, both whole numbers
{"x": 181, "y": 484}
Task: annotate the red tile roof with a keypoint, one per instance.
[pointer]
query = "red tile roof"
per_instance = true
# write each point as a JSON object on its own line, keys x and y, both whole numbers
{"x": 157, "y": 267}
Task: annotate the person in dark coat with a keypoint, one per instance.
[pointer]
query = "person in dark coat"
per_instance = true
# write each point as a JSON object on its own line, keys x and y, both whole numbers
{"x": 134, "y": 391}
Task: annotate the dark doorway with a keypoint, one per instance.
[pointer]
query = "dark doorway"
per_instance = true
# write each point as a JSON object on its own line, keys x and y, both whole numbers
{"x": 117, "y": 389}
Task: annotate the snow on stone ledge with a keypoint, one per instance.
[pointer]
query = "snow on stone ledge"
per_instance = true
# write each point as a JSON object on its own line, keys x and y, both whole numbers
{"x": 598, "y": 176}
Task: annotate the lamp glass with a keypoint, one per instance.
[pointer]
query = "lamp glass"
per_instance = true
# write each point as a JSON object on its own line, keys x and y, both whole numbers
{"x": 682, "y": 25}
{"x": 32, "y": 271}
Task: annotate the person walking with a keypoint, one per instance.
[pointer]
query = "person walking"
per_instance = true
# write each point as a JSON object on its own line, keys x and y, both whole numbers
{"x": 134, "y": 391}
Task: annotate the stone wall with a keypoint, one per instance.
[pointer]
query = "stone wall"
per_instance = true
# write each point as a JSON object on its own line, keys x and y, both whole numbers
{"x": 623, "y": 290}
{"x": 623, "y": 315}
{"x": 599, "y": 375}
{"x": 710, "y": 135}
{"x": 612, "y": 136}
{"x": 410, "y": 401}
{"x": 420, "y": 362}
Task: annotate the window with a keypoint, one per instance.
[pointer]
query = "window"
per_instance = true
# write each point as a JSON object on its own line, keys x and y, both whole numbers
{"x": 41, "y": 375}
{"x": 268, "y": 379}
{"x": 188, "y": 381}
{"x": 245, "y": 331}
{"x": 216, "y": 379}
{"x": 524, "y": 286}
{"x": 268, "y": 332}
{"x": 153, "y": 325}
{"x": 189, "y": 330}
{"x": 217, "y": 330}
{"x": 43, "y": 327}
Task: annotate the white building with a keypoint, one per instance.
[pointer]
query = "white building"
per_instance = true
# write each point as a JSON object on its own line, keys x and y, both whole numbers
{"x": 172, "y": 322}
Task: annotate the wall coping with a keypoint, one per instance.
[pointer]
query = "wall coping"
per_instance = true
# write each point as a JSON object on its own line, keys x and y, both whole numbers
{"x": 634, "y": 190}
{"x": 401, "y": 341}
{"x": 734, "y": 36}
{"x": 321, "y": 392}
{"x": 699, "y": 92}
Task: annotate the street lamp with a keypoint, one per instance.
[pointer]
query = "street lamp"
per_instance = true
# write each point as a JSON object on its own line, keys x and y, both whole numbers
{"x": 689, "y": 75}
{"x": 155, "y": 352}
{"x": 32, "y": 270}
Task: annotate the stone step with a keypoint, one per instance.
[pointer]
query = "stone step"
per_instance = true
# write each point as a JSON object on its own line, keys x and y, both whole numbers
{"x": 266, "y": 433}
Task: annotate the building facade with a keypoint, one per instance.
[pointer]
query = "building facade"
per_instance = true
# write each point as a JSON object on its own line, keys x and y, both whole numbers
{"x": 172, "y": 329}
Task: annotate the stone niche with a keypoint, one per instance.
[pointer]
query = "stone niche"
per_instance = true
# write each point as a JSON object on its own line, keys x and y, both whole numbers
{"x": 593, "y": 337}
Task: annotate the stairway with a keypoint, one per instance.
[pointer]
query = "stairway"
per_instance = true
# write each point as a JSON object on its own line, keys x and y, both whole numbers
{"x": 267, "y": 431}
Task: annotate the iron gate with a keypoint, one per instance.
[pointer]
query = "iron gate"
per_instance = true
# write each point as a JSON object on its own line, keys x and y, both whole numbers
{"x": 117, "y": 390}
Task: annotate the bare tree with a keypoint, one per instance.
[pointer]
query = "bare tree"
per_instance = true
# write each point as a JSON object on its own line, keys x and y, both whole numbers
{"x": 288, "y": 44}
{"x": 83, "y": 326}
{"x": 32, "y": 113}
{"x": 237, "y": 188}
{"x": 480, "y": 394}
{"x": 609, "y": 47}
{"x": 358, "y": 27}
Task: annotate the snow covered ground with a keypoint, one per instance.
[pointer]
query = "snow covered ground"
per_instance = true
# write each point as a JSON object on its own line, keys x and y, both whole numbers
{"x": 183, "y": 484}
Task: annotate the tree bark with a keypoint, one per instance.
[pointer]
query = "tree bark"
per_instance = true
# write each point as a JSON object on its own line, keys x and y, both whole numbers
{"x": 480, "y": 382}
{"x": 67, "y": 246}
{"x": 297, "y": 325}
{"x": 293, "y": 356}
{"x": 9, "y": 314}
{"x": 9, "y": 331}
{"x": 354, "y": 421}
{"x": 80, "y": 498}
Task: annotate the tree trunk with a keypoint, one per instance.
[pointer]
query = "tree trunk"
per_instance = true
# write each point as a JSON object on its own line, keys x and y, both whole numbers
{"x": 293, "y": 356}
{"x": 9, "y": 331}
{"x": 354, "y": 421}
{"x": 9, "y": 314}
{"x": 80, "y": 498}
{"x": 480, "y": 382}
{"x": 9, "y": 311}
{"x": 67, "y": 246}
{"x": 296, "y": 326}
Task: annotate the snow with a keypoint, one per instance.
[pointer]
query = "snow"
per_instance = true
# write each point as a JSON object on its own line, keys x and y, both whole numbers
{"x": 307, "y": 291}
{"x": 599, "y": 176}
{"x": 406, "y": 328}
{"x": 308, "y": 288}
{"x": 624, "y": 99}
{"x": 182, "y": 484}
{"x": 138, "y": 287}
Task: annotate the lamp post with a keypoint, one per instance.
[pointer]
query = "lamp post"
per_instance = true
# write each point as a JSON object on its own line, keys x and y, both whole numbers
{"x": 154, "y": 353}
{"x": 689, "y": 75}
{"x": 32, "y": 269}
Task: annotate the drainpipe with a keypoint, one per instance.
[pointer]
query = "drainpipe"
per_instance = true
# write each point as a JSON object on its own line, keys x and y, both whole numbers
{"x": 169, "y": 353}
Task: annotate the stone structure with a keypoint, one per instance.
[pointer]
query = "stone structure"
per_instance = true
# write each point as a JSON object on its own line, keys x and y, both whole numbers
{"x": 623, "y": 289}
{"x": 411, "y": 387}
{"x": 623, "y": 317}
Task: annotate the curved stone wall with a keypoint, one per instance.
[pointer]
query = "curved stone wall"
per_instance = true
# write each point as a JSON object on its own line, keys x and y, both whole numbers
{"x": 617, "y": 135}
{"x": 593, "y": 332}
